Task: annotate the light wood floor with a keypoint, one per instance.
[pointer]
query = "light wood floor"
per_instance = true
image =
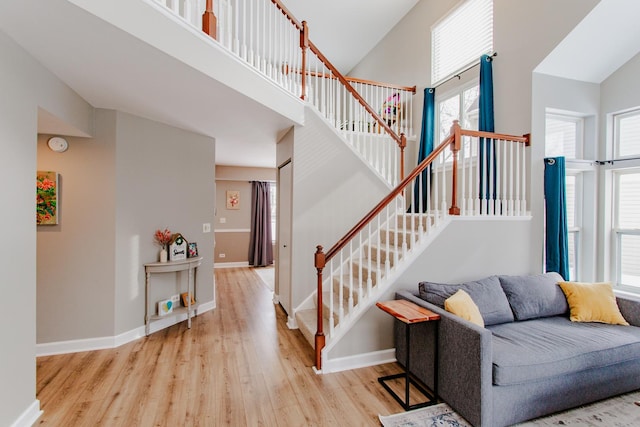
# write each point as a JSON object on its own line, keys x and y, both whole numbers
{"x": 239, "y": 365}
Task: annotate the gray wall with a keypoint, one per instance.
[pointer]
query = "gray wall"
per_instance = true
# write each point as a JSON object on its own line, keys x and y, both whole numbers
{"x": 76, "y": 258}
{"x": 133, "y": 177}
{"x": 164, "y": 178}
{"x": 25, "y": 85}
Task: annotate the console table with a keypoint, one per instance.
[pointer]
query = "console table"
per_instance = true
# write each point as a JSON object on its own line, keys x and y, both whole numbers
{"x": 189, "y": 264}
{"x": 411, "y": 314}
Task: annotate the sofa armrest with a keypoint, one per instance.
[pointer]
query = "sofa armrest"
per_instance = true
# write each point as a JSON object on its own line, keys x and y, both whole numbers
{"x": 465, "y": 368}
{"x": 630, "y": 308}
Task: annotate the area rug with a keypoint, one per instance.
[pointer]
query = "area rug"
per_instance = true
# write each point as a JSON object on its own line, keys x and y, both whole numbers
{"x": 620, "y": 411}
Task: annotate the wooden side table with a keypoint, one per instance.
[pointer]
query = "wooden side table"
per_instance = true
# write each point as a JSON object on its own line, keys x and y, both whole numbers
{"x": 411, "y": 314}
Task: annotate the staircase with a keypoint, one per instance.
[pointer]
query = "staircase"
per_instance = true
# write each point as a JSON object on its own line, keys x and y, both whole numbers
{"x": 374, "y": 119}
{"x": 367, "y": 272}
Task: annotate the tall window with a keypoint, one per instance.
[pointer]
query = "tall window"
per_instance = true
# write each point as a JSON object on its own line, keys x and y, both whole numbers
{"x": 564, "y": 136}
{"x": 627, "y": 228}
{"x": 626, "y": 199}
{"x": 460, "y": 38}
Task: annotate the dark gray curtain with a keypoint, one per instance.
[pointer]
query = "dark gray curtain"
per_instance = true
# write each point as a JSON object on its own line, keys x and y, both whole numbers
{"x": 261, "y": 245}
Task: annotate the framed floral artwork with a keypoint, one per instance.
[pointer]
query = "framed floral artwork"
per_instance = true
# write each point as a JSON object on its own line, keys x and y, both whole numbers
{"x": 233, "y": 199}
{"x": 46, "y": 198}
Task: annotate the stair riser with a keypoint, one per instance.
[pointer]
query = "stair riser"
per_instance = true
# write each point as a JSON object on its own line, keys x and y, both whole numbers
{"x": 345, "y": 290}
{"x": 383, "y": 255}
{"x": 393, "y": 241}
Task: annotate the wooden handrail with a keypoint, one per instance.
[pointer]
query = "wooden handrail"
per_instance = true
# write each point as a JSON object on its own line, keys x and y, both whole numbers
{"x": 411, "y": 89}
{"x": 288, "y": 14}
{"x": 356, "y": 95}
{"x": 454, "y": 141}
{"x": 491, "y": 135}
{"x": 384, "y": 202}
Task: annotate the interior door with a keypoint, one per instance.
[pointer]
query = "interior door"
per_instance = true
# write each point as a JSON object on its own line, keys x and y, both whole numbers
{"x": 283, "y": 282}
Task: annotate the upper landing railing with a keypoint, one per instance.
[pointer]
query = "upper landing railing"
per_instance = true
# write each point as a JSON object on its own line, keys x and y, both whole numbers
{"x": 374, "y": 117}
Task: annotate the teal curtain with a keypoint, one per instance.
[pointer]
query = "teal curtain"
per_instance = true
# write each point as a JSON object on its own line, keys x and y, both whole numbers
{"x": 486, "y": 123}
{"x": 556, "y": 232}
{"x": 420, "y": 190}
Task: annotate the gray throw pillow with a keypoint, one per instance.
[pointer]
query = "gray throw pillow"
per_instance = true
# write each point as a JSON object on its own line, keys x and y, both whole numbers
{"x": 486, "y": 293}
{"x": 535, "y": 296}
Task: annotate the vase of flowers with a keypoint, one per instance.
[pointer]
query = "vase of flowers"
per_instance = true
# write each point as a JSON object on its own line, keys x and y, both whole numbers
{"x": 162, "y": 238}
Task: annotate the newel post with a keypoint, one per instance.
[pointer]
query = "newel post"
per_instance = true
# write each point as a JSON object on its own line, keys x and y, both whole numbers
{"x": 455, "y": 148}
{"x": 319, "y": 263}
{"x": 403, "y": 145}
{"x": 209, "y": 22}
{"x": 304, "y": 46}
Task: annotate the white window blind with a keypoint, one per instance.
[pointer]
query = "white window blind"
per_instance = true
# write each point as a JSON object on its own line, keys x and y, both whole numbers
{"x": 627, "y": 134}
{"x": 563, "y": 136}
{"x": 460, "y": 38}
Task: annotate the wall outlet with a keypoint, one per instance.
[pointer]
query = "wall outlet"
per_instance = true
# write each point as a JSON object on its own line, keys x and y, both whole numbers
{"x": 175, "y": 299}
{"x": 223, "y": 220}
{"x": 206, "y": 227}
{"x": 222, "y": 256}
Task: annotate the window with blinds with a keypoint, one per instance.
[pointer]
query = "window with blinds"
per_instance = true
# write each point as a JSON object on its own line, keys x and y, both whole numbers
{"x": 627, "y": 134}
{"x": 626, "y": 226}
{"x": 563, "y": 136}
{"x": 460, "y": 38}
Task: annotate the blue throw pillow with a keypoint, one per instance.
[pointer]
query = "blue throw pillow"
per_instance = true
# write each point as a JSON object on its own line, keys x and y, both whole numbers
{"x": 535, "y": 296}
{"x": 486, "y": 293}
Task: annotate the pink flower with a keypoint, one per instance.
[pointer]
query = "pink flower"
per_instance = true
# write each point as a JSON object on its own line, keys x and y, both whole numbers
{"x": 162, "y": 237}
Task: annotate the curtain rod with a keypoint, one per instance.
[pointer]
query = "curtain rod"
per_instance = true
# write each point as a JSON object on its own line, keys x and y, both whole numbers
{"x": 611, "y": 162}
{"x": 494, "y": 54}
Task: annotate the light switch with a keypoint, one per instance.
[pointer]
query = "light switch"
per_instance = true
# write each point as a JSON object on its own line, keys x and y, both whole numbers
{"x": 206, "y": 227}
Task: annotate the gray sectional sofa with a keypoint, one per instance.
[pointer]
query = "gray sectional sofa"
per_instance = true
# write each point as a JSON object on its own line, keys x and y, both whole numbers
{"x": 529, "y": 360}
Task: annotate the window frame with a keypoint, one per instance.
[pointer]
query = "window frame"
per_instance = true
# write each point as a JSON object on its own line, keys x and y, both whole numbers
{"x": 617, "y": 232}
{"x": 457, "y": 91}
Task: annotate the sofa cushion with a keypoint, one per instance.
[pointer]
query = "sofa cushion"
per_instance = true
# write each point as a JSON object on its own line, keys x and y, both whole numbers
{"x": 554, "y": 346}
{"x": 463, "y": 306}
{"x": 592, "y": 302}
{"x": 534, "y": 296}
{"x": 486, "y": 293}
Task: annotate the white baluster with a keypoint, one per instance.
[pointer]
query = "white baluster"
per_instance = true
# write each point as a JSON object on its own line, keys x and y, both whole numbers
{"x": 341, "y": 289}
{"x": 351, "y": 273}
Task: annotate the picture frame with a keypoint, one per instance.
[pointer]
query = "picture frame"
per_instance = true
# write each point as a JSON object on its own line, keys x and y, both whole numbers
{"x": 233, "y": 199}
{"x": 47, "y": 192}
{"x": 184, "y": 297}
{"x": 192, "y": 250}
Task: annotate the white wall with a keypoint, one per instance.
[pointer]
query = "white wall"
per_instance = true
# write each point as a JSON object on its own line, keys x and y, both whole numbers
{"x": 524, "y": 33}
{"x": 25, "y": 85}
{"x": 332, "y": 190}
{"x": 458, "y": 254}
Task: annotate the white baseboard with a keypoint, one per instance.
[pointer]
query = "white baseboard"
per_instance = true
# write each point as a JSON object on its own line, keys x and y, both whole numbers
{"x": 90, "y": 344}
{"x": 358, "y": 361}
{"x": 29, "y": 416}
{"x": 230, "y": 264}
{"x": 291, "y": 322}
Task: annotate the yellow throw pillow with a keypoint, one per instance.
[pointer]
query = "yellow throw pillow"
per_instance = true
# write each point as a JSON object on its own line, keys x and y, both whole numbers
{"x": 463, "y": 306}
{"x": 592, "y": 302}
